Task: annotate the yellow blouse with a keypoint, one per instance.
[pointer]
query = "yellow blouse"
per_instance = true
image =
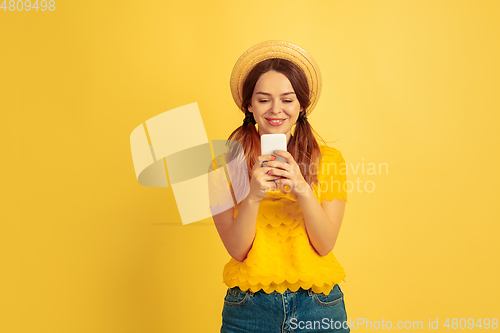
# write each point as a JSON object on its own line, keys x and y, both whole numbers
{"x": 281, "y": 256}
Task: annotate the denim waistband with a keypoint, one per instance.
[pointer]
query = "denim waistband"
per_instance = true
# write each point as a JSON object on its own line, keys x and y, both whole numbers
{"x": 288, "y": 291}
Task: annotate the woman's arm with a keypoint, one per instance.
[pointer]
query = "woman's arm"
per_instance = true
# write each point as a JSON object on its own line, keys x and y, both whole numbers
{"x": 323, "y": 221}
{"x": 238, "y": 233}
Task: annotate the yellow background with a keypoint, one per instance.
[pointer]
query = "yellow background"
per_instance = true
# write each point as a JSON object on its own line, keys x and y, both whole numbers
{"x": 85, "y": 248}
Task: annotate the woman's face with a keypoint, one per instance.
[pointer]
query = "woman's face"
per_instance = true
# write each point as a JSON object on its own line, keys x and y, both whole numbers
{"x": 274, "y": 105}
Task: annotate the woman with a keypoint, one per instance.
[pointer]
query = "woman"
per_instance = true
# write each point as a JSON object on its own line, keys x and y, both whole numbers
{"x": 283, "y": 276}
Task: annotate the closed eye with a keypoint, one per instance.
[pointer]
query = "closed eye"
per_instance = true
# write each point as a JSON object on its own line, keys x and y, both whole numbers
{"x": 266, "y": 100}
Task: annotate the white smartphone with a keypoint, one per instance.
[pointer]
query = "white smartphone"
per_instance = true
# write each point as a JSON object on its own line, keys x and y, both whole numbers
{"x": 272, "y": 142}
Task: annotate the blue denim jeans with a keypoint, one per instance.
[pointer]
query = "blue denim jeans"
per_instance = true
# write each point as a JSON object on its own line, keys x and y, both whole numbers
{"x": 300, "y": 311}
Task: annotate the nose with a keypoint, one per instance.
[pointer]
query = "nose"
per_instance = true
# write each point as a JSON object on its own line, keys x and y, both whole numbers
{"x": 276, "y": 107}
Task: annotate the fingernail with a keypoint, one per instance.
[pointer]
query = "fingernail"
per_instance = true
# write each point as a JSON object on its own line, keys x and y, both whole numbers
{"x": 264, "y": 163}
{"x": 276, "y": 152}
{"x": 274, "y": 157}
{"x": 269, "y": 172}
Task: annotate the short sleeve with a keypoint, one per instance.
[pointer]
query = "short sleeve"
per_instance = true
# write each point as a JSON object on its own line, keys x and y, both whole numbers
{"x": 332, "y": 179}
{"x": 218, "y": 188}
{"x": 229, "y": 183}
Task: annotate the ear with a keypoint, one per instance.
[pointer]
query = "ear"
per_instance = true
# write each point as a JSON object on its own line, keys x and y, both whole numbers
{"x": 250, "y": 108}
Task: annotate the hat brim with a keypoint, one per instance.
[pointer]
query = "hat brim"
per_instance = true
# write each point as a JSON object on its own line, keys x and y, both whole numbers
{"x": 276, "y": 49}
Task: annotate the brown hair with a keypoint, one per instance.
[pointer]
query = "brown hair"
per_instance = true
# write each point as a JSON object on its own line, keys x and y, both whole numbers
{"x": 302, "y": 145}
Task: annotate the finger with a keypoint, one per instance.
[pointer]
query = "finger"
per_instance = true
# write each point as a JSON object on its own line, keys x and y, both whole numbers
{"x": 271, "y": 186}
{"x": 262, "y": 158}
{"x": 267, "y": 184}
{"x": 260, "y": 170}
{"x": 285, "y": 181}
{"x": 286, "y": 155}
{"x": 279, "y": 172}
{"x": 279, "y": 165}
{"x": 267, "y": 179}
{"x": 275, "y": 185}
{"x": 267, "y": 170}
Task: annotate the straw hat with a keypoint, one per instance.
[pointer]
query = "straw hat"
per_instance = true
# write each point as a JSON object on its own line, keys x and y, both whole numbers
{"x": 276, "y": 49}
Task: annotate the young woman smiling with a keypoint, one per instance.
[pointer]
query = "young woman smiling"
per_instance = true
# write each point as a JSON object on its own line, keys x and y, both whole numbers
{"x": 283, "y": 276}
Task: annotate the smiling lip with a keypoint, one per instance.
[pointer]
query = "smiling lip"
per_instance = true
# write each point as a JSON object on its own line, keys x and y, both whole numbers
{"x": 275, "y": 123}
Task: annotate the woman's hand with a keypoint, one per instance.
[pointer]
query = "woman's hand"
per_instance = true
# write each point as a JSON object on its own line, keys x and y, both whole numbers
{"x": 262, "y": 181}
{"x": 291, "y": 179}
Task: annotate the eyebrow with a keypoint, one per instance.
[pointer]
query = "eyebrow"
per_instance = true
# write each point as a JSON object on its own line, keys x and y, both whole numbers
{"x": 267, "y": 94}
